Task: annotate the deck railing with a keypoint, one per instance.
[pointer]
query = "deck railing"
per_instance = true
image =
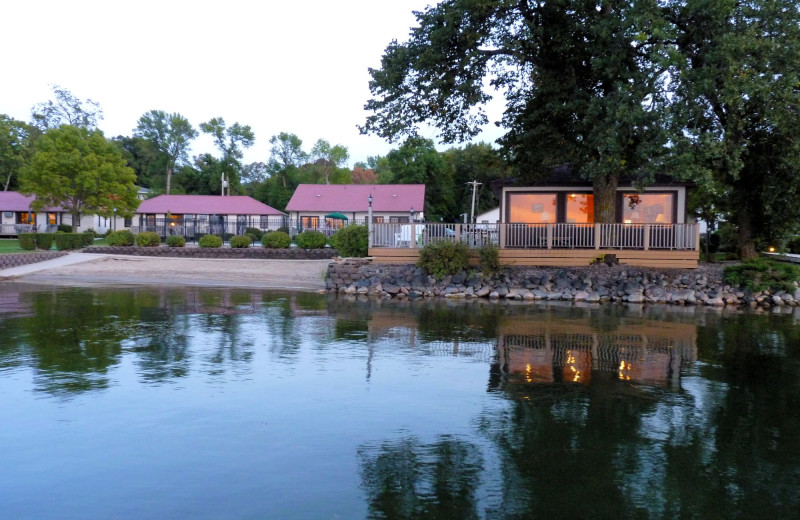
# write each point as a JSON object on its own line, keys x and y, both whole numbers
{"x": 540, "y": 236}
{"x": 15, "y": 229}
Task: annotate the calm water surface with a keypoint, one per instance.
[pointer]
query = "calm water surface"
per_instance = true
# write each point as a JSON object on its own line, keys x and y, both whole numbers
{"x": 233, "y": 404}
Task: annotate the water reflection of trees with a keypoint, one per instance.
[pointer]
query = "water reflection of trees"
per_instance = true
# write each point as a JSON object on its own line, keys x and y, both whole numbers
{"x": 408, "y": 479}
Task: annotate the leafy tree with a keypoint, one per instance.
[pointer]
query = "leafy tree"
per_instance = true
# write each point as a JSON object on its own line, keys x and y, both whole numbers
{"x": 81, "y": 171}
{"x": 170, "y": 135}
{"x": 254, "y": 173}
{"x": 230, "y": 141}
{"x": 286, "y": 153}
{"x": 204, "y": 177}
{"x": 583, "y": 81}
{"x": 362, "y": 175}
{"x": 141, "y": 155}
{"x": 736, "y": 106}
{"x": 418, "y": 162}
{"x": 66, "y": 109}
{"x": 16, "y": 148}
{"x": 329, "y": 158}
{"x": 476, "y": 162}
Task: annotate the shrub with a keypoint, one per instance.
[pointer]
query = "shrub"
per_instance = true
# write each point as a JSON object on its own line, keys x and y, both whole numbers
{"x": 761, "y": 274}
{"x": 44, "y": 241}
{"x": 87, "y": 238}
{"x": 240, "y": 241}
{"x": 176, "y": 241}
{"x": 148, "y": 239}
{"x": 66, "y": 241}
{"x": 351, "y": 241}
{"x": 121, "y": 238}
{"x": 210, "y": 241}
{"x": 310, "y": 240}
{"x": 489, "y": 259}
{"x": 255, "y": 233}
{"x": 276, "y": 240}
{"x": 441, "y": 258}
{"x": 64, "y": 228}
{"x": 27, "y": 241}
{"x": 793, "y": 245}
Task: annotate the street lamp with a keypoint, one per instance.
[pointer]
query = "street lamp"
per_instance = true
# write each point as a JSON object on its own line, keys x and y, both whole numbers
{"x": 411, "y": 215}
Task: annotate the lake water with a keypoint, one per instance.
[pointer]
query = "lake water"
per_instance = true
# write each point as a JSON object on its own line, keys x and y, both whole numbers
{"x": 140, "y": 403}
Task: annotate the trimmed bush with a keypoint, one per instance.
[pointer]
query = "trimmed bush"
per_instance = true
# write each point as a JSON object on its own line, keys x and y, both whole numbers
{"x": 44, "y": 241}
{"x": 148, "y": 239}
{"x": 761, "y": 275}
{"x": 176, "y": 241}
{"x": 489, "y": 259}
{"x": 64, "y": 228}
{"x": 276, "y": 240}
{"x": 210, "y": 241}
{"x": 87, "y": 238}
{"x": 310, "y": 240}
{"x": 441, "y": 258}
{"x": 27, "y": 241}
{"x": 240, "y": 241}
{"x": 121, "y": 238}
{"x": 255, "y": 233}
{"x": 351, "y": 241}
{"x": 67, "y": 241}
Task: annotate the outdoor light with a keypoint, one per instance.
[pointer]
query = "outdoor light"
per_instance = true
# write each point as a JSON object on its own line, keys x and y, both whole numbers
{"x": 369, "y": 199}
{"x": 411, "y": 214}
{"x": 771, "y": 249}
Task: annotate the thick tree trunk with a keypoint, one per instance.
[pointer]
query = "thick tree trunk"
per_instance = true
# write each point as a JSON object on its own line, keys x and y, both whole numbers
{"x": 747, "y": 246}
{"x": 605, "y": 199}
{"x": 169, "y": 179}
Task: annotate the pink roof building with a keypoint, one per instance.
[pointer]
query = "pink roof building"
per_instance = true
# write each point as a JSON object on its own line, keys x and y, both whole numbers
{"x": 15, "y": 201}
{"x": 205, "y": 205}
{"x": 352, "y": 200}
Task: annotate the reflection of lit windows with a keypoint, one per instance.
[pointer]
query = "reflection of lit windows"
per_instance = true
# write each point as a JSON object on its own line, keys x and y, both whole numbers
{"x": 624, "y": 369}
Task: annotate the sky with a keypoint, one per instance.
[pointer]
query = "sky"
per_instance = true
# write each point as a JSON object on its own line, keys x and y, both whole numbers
{"x": 296, "y": 67}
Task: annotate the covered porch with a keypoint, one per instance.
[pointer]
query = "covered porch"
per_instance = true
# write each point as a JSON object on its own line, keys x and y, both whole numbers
{"x": 551, "y": 244}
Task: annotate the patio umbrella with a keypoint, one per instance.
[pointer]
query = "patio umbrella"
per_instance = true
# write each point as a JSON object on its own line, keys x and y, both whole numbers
{"x": 338, "y": 215}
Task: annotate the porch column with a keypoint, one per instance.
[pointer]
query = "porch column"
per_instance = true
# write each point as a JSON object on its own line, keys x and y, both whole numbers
{"x": 549, "y": 236}
{"x": 646, "y": 237}
{"x": 597, "y": 235}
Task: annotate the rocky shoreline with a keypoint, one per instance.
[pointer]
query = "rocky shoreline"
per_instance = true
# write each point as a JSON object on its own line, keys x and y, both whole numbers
{"x": 593, "y": 284}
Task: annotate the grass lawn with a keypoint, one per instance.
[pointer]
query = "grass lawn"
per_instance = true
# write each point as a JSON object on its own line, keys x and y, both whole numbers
{"x": 11, "y": 245}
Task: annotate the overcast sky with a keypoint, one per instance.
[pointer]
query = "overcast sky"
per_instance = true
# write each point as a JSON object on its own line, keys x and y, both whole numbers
{"x": 299, "y": 67}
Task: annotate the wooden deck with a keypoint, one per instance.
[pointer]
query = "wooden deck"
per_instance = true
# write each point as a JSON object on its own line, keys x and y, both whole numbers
{"x": 682, "y": 259}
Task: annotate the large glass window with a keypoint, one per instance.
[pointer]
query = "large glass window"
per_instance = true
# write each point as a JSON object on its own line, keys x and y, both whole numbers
{"x": 52, "y": 219}
{"x": 647, "y": 208}
{"x": 26, "y": 218}
{"x": 533, "y": 208}
{"x": 309, "y": 222}
{"x": 579, "y": 208}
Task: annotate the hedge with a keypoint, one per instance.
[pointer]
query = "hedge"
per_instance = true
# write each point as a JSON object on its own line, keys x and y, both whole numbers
{"x": 66, "y": 241}
{"x": 276, "y": 240}
{"x": 240, "y": 241}
{"x": 120, "y": 238}
{"x": 210, "y": 241}
{"x": 148, "y": 239}
{"x": 310, "y": 240}
{"x": 27, "y": 241}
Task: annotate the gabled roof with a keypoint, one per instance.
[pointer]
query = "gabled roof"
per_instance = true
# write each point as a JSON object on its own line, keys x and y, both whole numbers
{"x": 353, "y": 197}
{"x": 15, "y": 201}
{"x": 206, "y": 205}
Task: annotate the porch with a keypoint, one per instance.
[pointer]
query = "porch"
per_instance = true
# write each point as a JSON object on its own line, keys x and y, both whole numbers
{"x": 646, "y": 245}
{"x": 9, "y": 230}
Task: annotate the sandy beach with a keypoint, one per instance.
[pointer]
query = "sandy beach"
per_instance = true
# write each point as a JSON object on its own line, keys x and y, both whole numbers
{"x": 304, "y": 275}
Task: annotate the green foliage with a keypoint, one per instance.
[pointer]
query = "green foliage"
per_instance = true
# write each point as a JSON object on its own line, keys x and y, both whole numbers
{"x": 27, "y": 241}
{"x": 80, "y": 171}
{"x": 351, "y": 241}
{"x": 175, "y": 241}
{"x": 87, "y": 238}
{"x": 276, "y": 240}
{"x": 68, "y": 241}
{"x": 44, "y": 241}
{"x": 255, "y": 233}
{"x": 148, "y": 239}
{"x": 210, "y": 241}
{"x": 16, "y": 149}
{"x": 418, "y": 162}
{"x": 762, "y": 274}
{"x": 310, "y": 240}
{"x": 169, "y": 135}
{"x": 240, "y": 241}
{"x": 441, "y": 258}
{"x": 64, "y": 228}
{"x": 121, "y": 238}
{"x": 489, "y": 259}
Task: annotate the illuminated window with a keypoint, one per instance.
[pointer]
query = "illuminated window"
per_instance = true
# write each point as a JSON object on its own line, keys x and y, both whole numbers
{"x": 26, "y": 218}
{"x": 533, "y": 208}
{"x": 51, "y": 219}
{"x": 309, "y": 222}
{"x": 647, "y": 208}
{"x": 580, "y": 208}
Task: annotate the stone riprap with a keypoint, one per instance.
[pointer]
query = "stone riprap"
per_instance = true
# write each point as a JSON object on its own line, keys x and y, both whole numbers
{"x": 623, "y": 284}
{"x": 17, "y": 259}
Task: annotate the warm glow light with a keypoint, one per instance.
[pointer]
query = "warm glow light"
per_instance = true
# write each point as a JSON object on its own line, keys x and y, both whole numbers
{"x": 771, "y": 249}
{"x": 172, "y": 224}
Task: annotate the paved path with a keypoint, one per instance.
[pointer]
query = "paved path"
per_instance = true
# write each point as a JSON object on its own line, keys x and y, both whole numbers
{"x": 117, "y": 270}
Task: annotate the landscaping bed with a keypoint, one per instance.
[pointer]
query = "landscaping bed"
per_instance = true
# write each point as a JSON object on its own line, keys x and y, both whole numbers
{"x": 255, "y": 253}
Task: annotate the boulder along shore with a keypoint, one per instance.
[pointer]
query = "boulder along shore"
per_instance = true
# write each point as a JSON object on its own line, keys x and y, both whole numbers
{"x": 596, "y": 283}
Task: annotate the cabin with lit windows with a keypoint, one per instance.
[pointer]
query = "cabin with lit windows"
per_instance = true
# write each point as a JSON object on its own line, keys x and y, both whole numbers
{"x": 551, "y": 223}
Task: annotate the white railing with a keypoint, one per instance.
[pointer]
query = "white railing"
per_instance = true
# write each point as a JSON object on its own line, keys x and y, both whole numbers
{"x": 15, "y": 229}
{"x": 540, "y": 236}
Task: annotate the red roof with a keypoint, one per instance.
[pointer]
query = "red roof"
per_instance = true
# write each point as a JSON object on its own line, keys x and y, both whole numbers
{"x": 353, "y": 197}
{"x": 15, "y": 201}
{"x": 206, "y": 205}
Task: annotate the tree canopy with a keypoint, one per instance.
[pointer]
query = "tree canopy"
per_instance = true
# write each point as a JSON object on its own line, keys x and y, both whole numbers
{"x": 16, "y": 148}
{"x": 66, "y": 109}
{"x": 170, "y": 135}
{"x": 81, "y": 171}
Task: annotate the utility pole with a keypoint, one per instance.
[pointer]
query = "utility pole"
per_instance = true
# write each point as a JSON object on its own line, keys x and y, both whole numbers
{"x": 475, "y": 185}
